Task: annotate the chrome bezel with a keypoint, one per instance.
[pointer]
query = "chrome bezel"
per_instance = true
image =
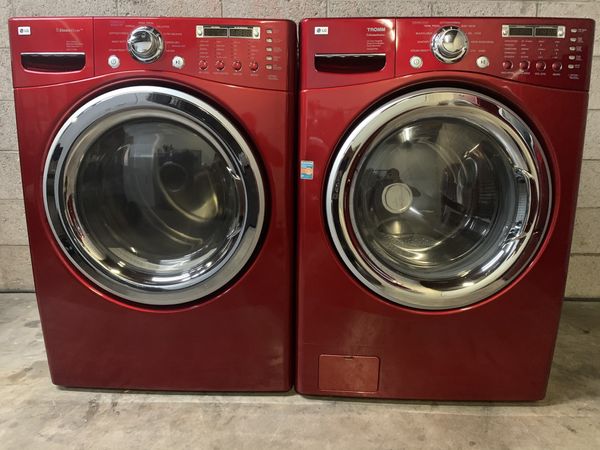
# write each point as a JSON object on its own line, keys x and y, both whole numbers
{"x": 529, "y": 162}
{"x": 157, "y": 45}
{"x": 59, "y": 188}
{"x": 437, "y": 46}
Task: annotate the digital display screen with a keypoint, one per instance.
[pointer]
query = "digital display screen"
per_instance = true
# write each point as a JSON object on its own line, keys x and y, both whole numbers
{"x": 241, "y": 32}
{"x": 546, "y": 32}
{"x": 215, "y": 32}
{"x": 227, "y": 31}
{"x": 542, "y": 31}
{"x": 520, "y": 31}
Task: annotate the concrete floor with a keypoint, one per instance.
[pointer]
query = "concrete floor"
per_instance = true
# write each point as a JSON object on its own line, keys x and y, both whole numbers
{"x": 36, "y": 414}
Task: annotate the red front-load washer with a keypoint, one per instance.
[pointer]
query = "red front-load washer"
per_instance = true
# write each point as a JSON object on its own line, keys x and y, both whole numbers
{"x": 156, "y": 157}
{"x": 439, "y": 163}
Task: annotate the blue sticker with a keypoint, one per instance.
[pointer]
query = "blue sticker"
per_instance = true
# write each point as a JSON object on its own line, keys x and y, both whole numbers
{"x": 307, "y": 170}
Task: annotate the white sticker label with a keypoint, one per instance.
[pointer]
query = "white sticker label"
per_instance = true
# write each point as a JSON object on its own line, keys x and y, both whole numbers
{"x": 24, "y": 31}
{"x": 322, "y": 30}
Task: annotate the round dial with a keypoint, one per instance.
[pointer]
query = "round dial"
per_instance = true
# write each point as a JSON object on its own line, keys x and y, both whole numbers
{"x": 145, "y": 44}
{"x": 449, "y": 44}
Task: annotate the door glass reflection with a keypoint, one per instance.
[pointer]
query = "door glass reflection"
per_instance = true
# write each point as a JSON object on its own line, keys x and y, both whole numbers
{"x": 435, "y": 199}
{"x": 158, "y": 197}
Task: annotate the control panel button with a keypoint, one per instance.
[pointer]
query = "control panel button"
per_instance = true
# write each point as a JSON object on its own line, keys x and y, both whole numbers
{"x": 540, "y": 65}
{"x": 416, "y": 62}
{"x": 253, "y": 66}
{"x": 557, "y": 66}
{"x": 178, "y": 62}
{"x": 220, "y": 65}
{"x": 237, "y": 65}
{"x": 483, "y": 62}
{"x": 507, "y": 65}
{"x": 114, "y": 61}
{"x": 524, "y": 65}
{"x": 203, "y": 64}
{"x": 145, "y": 44}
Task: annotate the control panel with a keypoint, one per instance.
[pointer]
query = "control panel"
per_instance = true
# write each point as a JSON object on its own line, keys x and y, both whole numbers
{"x": 549, "y": 52}
{"x": 242, "y": 52}
{"x": 546, "y": 52}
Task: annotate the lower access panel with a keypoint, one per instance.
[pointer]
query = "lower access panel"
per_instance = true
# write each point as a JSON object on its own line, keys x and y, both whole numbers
{"x": 343, "y": 373}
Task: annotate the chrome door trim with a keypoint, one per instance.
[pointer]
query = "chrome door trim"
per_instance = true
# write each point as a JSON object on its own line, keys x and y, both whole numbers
{"x": 182, "y": 108}
{"x": 529, "y": 162}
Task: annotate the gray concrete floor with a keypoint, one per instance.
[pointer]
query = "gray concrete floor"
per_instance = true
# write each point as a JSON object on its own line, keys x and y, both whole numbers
{"x": 36, "y": 414}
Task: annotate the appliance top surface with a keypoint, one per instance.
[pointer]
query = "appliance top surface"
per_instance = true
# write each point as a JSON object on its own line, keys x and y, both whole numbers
{"x": 241, "y": 52}
{"x": 550, "y": 52}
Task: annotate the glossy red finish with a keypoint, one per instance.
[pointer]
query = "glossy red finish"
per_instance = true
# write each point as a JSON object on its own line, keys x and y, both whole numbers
{"x": 401, "y": 39}
{"x": 485, "y": 38}
{"x": 237, "y": 340}
{"x": 102, "y": 37}
{"x": 498, "y": 349}
{"x": 58, "y": 35}
{"x": 354, "y": 37}
{"x": 180, "y": 40}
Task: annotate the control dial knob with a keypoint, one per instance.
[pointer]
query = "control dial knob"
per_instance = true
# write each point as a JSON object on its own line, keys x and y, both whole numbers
{"x": 449, "y": 44}
{"x": 145, "y": 44}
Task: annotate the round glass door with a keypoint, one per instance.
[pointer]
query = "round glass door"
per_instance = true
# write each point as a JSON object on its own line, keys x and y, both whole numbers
{"x": 154, "y": 195}
{"x": 438, "y": 199}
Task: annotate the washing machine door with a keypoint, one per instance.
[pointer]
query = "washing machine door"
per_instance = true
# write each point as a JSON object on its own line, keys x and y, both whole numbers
{"x": 438, "y": 199}
{"x": 154, "y": 195}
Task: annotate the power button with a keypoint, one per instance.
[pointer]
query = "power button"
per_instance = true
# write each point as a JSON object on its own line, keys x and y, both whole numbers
{"x": 416, "y": 62}
{"x": 114, "y": 61}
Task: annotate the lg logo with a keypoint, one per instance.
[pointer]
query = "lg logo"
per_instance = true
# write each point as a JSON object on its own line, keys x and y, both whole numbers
{"x": 325, "y": 30}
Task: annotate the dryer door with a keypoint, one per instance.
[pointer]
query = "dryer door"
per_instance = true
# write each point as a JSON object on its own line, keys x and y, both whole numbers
{"x": 154, "y": 195}
{"x": 438, "y": 199}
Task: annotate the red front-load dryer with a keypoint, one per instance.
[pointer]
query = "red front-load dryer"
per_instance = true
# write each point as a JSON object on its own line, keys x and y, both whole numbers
{"x": 156, "y": 158}
{"x": 439, "y": 168}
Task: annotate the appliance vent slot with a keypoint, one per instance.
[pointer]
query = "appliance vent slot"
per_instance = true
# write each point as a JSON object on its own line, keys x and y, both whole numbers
{"x": 55, "y": 62}
{"x": 350, "y": 62}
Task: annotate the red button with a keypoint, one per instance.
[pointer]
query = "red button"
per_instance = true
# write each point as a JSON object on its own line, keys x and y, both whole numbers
{"x": 540, "y": 65}
{"x": 237, "y": 65}
{"x": 557, "y": 66}
{"x": 507, "y": 65}
{"x": 220, "y": 65}
{"x": 253, "y": 66}
{"x": 524, "y": 65}
{"x": 203, "y": 64}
